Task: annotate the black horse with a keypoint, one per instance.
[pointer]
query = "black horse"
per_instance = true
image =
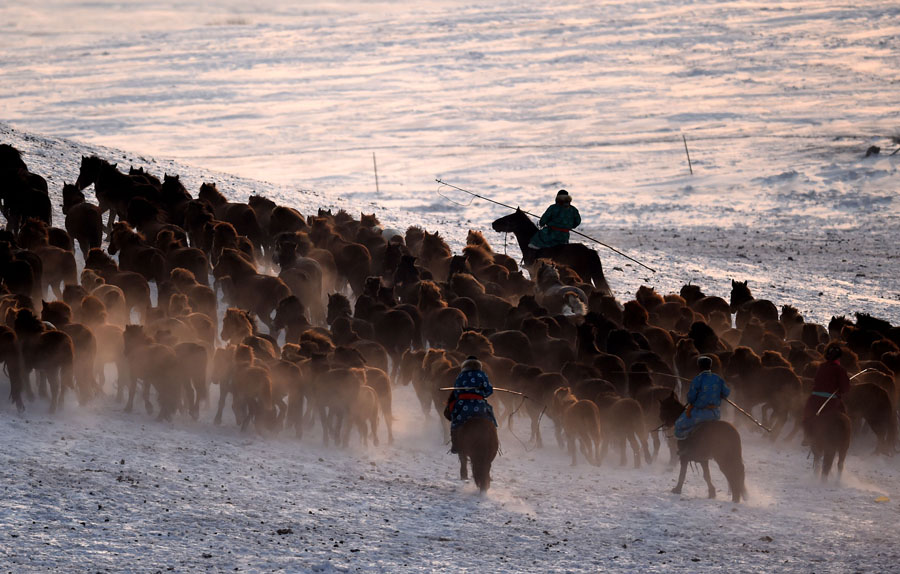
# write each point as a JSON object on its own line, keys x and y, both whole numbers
{"x": 717, "y": 440}
{"x": 477, "y": 442}
{"x": 22, "y": 194}
{"x": 581, "y": 258}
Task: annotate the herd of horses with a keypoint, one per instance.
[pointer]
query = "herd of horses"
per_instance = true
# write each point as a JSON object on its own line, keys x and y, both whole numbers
{"x": 328, "y": 314}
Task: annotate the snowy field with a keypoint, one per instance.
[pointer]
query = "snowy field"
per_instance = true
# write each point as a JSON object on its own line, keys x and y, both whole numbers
{"x": 513, "y": 100}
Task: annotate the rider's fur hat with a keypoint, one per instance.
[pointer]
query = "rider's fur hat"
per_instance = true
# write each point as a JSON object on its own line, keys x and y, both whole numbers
{"x": 704, "y": 362}
{"x": 562, "y": 196}
{"x": 471, "y": 364}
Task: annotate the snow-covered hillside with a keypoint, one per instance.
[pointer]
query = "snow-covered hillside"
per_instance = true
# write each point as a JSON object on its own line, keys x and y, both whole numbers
{"x": 513, "y": 100}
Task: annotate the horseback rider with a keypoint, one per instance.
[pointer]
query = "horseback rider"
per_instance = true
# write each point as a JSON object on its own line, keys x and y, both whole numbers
{"x": 830, "y": 384}
{"x": 557, "y": 221}
{"x": 469, "y": 397}
{"x": 704, "y": 397}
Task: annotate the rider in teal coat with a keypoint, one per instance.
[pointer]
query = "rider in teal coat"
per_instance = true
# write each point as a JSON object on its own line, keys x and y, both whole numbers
{"x": 556, "y": 223}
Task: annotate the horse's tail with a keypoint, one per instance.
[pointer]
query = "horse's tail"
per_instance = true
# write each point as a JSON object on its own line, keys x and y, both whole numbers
{"x": 482, "y": 449}
{"x": 597, "y": 277}
{"x": 892, "y": 432}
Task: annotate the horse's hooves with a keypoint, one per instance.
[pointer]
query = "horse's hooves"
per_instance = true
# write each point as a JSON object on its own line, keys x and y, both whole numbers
{"x": 676, "y": 490}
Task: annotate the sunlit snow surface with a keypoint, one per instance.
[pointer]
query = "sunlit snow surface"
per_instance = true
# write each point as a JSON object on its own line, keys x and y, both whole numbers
{"x": 514, "y": 101}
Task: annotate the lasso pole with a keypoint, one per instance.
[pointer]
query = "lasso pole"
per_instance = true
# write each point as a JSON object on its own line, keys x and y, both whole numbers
{"x": 588, "y": 237}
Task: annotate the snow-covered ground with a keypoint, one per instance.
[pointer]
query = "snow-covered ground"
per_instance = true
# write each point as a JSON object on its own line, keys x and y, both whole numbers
{"x": 513, "y": 100}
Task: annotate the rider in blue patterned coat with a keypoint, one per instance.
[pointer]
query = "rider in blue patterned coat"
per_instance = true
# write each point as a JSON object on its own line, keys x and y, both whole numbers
{"x": 469, "y": 397}
{"x": 703, "y": 399}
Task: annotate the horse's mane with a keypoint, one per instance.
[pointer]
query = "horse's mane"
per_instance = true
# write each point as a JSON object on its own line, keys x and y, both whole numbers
{"x": 433, "y": 245}
{"x": 476, "y": 239}
{"x": 211, "y": 194}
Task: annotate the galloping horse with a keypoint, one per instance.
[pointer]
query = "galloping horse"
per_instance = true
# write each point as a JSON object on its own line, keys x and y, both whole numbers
{"x": 477, "y": 442}
{"x": 717, "y": 440}
{"x": 580, "y": 258}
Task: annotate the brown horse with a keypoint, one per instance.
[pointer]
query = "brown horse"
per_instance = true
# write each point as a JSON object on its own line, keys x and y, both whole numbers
{"x": 48, "y": 351}
{"x": 716, "y": 440}
{"x": 623, "y": 420}
{"x": 581, "y": 422}
{"x": 870, "y": 403}
{"x": 477, "y": 442}
{"x": 9, "y": 355}
{"x": 829, "y": 436}
{"x": 745, "y": 306}
{"x": 84, "y": 222}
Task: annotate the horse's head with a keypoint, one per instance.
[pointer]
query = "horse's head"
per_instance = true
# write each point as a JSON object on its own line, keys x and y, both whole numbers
{"x": 173, "y": 190}
{"x": 11, "y": 158}
{"x": 87, "y": 174}
{"x": 338, "y": 305}
{"x": 289, "y": 310}
{"x": 476, "y": 238}
{"x": 71, "y": 196}
{"x": 368, "y": 220}
{"x": 236, "y": 325}
{"x": 211, "y": 194}
{"x": 740, "y": 294}
{"x": 547, "y": 273}
{"x": 670, "y": 408}
{"x": 511, "y": 223}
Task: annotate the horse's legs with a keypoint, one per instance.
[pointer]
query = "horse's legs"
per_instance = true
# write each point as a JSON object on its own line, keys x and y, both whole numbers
{"x": 387, "y": 411}
{"x": 712, "y": 489}
{"x": 558, "y": 431}
{"x": 26, "y": 385}
{"x": 41, "y": 381}
{"x": 587, "y": 447}
{"x": 656, "y": 446}
{"x": 623, "y": 449}
{"x": 604, "y": 448}
{"x": 463, "y": 468}
{"x": 223, "y": 394}
{"x": 373, "y": 422}
{"x": 572, "y": 449}
{"x": 827, "y": 461}
{"x": 148, "y": 405}
{"x": 681, "y": 475}
{"x": 636, "y": 447}
{"x": 55, "y": 391}
{"x": 536, "y": 430}
{"x": 780, "y": 418}
{"x": 645, "y": 447}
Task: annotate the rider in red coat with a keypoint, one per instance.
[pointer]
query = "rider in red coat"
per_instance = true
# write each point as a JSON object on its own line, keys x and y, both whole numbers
{"x": 831, "y": 383}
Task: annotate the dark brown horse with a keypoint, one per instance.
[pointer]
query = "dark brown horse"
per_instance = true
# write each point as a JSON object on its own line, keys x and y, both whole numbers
{"x": 716, "y": 440}
{"x": 84, "y": 221}
{"x": 829, "y": 436}
{"x": 477, "y": 442}
{"x": 582, "y": 259}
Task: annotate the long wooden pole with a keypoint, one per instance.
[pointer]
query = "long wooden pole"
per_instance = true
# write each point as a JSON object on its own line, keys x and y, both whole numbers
{"x": 472, "y": 193}
{"x": 375, "y": 164}
{"x": 687, "y": 153}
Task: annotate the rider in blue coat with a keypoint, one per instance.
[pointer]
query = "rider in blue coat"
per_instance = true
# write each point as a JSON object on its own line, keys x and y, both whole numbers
{"x": 469, "y": 397}
{"x": 703, "y": 399}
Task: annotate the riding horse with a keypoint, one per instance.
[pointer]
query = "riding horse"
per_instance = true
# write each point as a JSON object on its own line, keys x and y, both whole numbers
{"x": 582, "y": 259}
{"x": 717, "y": 440}
{"x": 477, "y": 442}
{"x": 829, "y": 435}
